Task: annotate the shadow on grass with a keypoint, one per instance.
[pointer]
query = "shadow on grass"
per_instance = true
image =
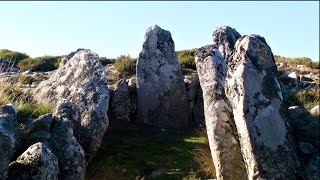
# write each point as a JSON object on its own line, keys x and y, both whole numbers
{"x": 148, "y": 154}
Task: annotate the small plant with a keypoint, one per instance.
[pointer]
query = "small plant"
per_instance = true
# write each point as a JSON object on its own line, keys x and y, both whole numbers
{"x": 186, "y": 59}
{"x": 126, "y": 65}
{"x": 307, "y": 98}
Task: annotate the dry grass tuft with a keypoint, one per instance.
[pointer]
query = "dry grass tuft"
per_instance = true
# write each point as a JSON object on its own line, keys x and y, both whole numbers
{"x": 202, "y": 155}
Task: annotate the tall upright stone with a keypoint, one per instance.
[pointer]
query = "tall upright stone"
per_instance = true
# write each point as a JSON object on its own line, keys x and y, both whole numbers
{"x": 82, "y": 80}
{"x": 161, "y": 93}
{"x": 221, "y": 129}
{"x": 225, "y": 38}
{"x": 255, "y": 96}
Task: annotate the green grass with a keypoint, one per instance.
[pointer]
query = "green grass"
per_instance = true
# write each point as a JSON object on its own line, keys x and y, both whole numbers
{"x": 134, "y": 154}
{"x": 26, "y": 106}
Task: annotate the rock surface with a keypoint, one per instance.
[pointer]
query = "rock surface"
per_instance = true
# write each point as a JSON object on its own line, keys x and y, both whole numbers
{"x": 161, "y": 93}
{"x": 255, "y": 96}
{"x": 39, "y": 129}
{"x": 225, "y": 38}
{"x": 37, "y": 162}
{"x": 8, "y": 138}
{"x": 69, "y": 152}
{"x": 120, "y": 103}
{"x": 315, "y": 111}
{"x": 82, "y": 80}
{"x": 221, "y": 130}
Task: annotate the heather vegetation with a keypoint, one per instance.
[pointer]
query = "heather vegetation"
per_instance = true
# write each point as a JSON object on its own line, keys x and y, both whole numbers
{"x": 298, "y": 61}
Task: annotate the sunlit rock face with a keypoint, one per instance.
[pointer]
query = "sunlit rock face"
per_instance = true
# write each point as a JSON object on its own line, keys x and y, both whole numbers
{"x": 255, "y": 97}
{"x": 221, "y": 129}
{"x": 8, "y": 137}
{"x": 81, "y": 79}
{"x": 161, "y": 93}
{"x": 225, "y": 38}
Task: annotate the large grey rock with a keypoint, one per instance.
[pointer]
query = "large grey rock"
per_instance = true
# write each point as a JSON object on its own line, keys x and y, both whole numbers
{"x": 39, "y": 129}
{"x": 221, "y": 129}
{"x": 37, "y": 162}
{"x": 225, "y": 38}
{"x": 8, "y": 138}
{"x": 255, "y": 96}
{"x": 120, "y": 103}
{"x": 82, "y": 80}
{"x": 161, "y": 93}
{"x": 68, "y": 57}
{"x": 65, "y": 146}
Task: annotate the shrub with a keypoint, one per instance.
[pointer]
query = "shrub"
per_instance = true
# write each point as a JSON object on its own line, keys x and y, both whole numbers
{"x": 186, "y": 59}
{"x": 45, "y": 63}
{"x": 16, "y": 57}
{"x": 106, "y": 61}
{"x": 297, "y": 61}
{"x": 126, "y": 65}
{"x": 306, "y": 98}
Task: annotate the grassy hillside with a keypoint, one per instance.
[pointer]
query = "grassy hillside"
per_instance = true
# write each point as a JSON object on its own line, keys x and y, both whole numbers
{"x": 16, "y": 57}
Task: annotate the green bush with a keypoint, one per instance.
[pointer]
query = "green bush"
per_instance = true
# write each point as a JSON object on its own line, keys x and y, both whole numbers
{"x": 186, "y": 59}
{"x": 16, "y": 57}
{"x": 126, "y": 65}
{"x": 106, "y": 61}
{"x": 306, "y": 98}
{"x": 45, "y": 63}
{"x": 297, "y": 61}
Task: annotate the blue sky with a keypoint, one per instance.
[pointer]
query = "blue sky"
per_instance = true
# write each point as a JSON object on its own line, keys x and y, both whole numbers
{"x": 114, "y": 28}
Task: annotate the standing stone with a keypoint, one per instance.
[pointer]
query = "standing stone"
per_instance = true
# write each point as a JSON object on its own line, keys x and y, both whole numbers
{"x": 82, "y": 80}
{"x": 8, "y": 133}
{"x": 37, "y": 162}
{"x": 225, "y": 38}
{"x": 255, "y": 96}
{"x": 221, "y": 130}
{"x": 120, "y": 104}
{"x": 161, "y": 93}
